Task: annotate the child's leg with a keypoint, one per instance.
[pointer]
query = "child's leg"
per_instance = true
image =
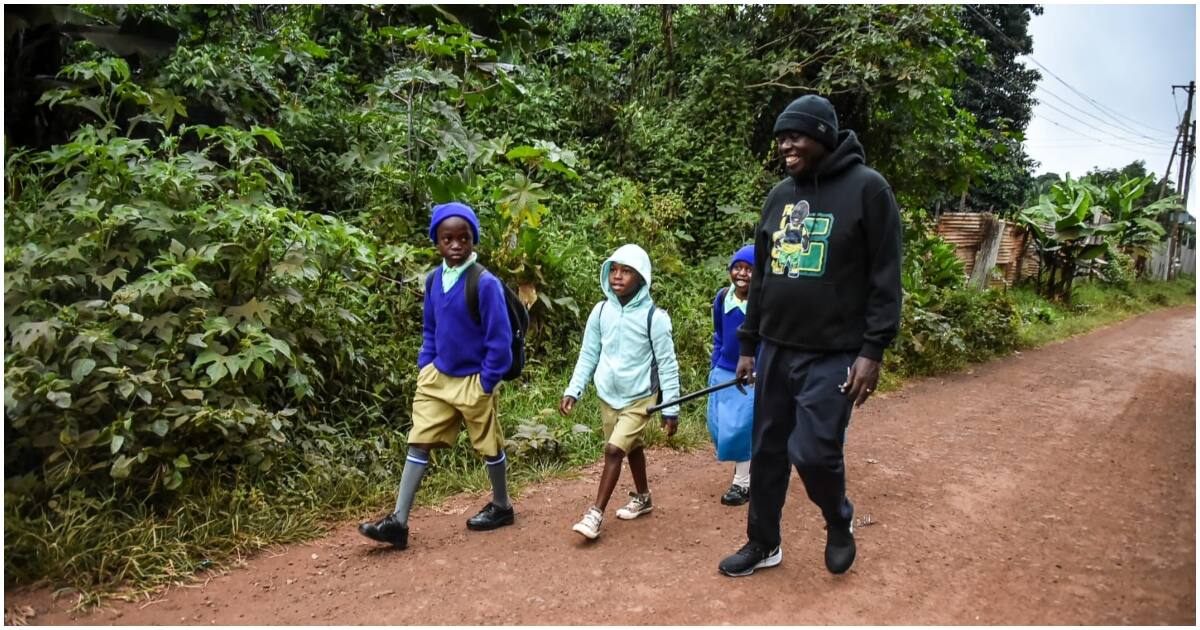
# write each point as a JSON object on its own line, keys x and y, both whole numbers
{"x": 637, "y": 468}
{"x": 741, "y": 474}
{"x": 498, "y": 475}
{"x": 410, "y": 479}
{"x": 612, "y": 472}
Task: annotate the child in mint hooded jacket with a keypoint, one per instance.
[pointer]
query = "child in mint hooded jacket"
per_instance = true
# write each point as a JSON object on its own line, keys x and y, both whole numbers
{"x": 623, "y": 333}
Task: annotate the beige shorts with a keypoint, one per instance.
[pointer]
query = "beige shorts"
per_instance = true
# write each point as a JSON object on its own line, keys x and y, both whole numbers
{"x": 444, "y": 403}
{"x": 623, "y": 427}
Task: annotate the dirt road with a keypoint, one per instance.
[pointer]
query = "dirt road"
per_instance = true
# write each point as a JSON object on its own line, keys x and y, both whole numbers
{"x": 1052, "y": 487}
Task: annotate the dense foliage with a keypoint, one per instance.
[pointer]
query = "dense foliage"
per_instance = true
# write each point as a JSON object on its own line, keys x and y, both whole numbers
{"x": 216, "y": 227}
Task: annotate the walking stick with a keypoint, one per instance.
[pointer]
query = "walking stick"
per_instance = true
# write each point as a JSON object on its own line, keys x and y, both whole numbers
{"x": 696, "y": 394}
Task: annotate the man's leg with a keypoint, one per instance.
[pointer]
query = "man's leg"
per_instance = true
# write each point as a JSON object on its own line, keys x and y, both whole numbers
{"x": 816, "y": 449}
{"x": 816, "y": 442}
{"x": 774, "y": 417}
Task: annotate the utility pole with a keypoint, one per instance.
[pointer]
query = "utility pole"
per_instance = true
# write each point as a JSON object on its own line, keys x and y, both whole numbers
{"x": 1187, "y": 149}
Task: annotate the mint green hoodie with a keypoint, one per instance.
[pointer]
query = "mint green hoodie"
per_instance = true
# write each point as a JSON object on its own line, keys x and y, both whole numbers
{"x": 616, "y": 352}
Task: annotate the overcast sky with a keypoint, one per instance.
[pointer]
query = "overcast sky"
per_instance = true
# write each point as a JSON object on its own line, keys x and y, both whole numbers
{"x": 1113, "y": 105}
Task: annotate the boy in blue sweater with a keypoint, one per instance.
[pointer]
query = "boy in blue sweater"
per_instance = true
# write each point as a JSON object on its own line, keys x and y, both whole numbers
{"x": 731, "y": 411}
{"x": 462, "y": 361}
{"x": 624, "y": 337}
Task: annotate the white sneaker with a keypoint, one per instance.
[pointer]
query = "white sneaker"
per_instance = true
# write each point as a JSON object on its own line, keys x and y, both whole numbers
{"x": 638, "y": 505}
{"x": 589, "y": 525}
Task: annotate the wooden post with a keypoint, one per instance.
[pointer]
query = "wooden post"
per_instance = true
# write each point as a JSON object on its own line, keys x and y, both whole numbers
{"x": 989, "y": 248}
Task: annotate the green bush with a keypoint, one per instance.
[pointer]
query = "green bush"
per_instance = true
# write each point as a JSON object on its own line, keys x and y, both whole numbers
{"x": 167, "y": 314}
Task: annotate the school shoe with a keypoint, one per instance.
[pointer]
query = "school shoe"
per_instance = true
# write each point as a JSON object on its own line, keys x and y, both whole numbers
{"x": 737, "y": 495}
{"x": 839, "y": 547}
{"x": 388, "y": 529}
{"x": 589, "y": 525}
{"x": 750, "y": 557}
{"x": 492, "y": 516}
{"x": 638, "y": 505}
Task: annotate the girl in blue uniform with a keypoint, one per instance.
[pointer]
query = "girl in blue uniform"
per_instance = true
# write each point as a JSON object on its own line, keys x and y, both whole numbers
{"x": 731, "y": 412}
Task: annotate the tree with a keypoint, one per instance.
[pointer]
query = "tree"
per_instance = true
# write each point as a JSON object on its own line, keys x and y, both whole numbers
{"x": 998, "y": 90}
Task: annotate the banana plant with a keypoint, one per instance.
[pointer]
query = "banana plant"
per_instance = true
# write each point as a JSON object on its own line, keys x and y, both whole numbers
{"x": 1068, "y": 226}
{"x": 1141, "y": 225}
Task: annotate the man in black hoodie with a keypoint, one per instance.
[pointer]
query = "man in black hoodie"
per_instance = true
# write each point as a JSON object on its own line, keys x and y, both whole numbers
{"x": 824, "y": 304}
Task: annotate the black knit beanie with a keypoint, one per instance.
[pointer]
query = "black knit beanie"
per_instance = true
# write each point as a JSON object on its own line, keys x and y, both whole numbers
{"x": 812, "y": 116}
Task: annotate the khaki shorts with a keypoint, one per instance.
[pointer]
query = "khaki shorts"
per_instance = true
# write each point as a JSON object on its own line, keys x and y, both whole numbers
{"x": 623, "y": 427}
{"x": 444, "y": 403}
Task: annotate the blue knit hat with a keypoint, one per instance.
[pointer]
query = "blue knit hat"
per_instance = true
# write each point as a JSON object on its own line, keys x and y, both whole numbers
{"x": 745, "y": 254}
{"x": 453, "y": 209}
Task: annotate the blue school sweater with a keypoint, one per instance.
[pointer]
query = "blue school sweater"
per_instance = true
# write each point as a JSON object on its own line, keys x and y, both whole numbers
{"x": 455, "y": 343}
{"x": 725, "y": 343}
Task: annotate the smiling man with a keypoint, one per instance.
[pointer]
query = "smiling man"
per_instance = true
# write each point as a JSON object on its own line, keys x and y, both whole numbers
{"x": 824, "y": 303}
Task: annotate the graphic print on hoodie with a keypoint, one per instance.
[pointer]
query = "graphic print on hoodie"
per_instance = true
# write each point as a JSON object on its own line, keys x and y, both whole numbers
{"x": 798, "y": 248}
{"x": 827, "y": 260}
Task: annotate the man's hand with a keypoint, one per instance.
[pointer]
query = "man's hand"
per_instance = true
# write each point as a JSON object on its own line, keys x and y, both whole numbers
{"x": 863, "y": 378}
{"x": 566, "y": 405}
{"x": 670, "y": 424}
{"x": 744, "y": 373}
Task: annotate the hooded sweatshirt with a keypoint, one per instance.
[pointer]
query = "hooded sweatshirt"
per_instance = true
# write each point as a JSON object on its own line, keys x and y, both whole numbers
{"x": 616, "y": 351}
{"x": 827, "y": 260}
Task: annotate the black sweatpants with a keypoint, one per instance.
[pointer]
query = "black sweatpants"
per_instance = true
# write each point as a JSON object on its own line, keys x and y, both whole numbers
{"x": 800, "y": 420}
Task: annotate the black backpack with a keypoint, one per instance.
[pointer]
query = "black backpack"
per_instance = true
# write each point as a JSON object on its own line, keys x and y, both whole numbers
{"x": 518, "y": 316}
{"x": 655, "y": 384}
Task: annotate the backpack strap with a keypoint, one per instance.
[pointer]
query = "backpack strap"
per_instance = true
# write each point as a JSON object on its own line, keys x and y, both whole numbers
{"x": 472, "y": 290}
{"x": 721, "y": 297}
{"x": 650, "y": 338}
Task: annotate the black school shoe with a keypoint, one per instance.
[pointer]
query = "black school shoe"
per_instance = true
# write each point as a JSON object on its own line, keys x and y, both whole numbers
{"x": 388, "y": 529}
{"x": 491, "y": 516}
{"x": 750, "y": 557}
{"x": 737, "y": 495}
{"x": 839, "y": 547}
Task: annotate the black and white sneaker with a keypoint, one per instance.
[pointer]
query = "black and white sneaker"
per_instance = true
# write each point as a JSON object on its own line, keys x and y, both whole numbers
{"x": 750, "y": 557}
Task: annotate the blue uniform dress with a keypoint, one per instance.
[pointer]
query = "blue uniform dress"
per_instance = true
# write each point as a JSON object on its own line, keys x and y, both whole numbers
{"x": 730, "y": 412}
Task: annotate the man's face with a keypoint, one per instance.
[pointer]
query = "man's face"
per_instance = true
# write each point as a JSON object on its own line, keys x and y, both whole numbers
{"x": 800, "y": 153}
{"x": 455, "y": 241}
{"x": 623, "y": 280}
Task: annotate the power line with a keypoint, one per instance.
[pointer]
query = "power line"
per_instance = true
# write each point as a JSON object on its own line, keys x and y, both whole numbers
{"x": 1016, "y": 47}
{"x": 1073, "y": 130}
{"x": 1093, "y": 116}
{"x": 1012, "y": 84}
{"x": 1093, "y": 127}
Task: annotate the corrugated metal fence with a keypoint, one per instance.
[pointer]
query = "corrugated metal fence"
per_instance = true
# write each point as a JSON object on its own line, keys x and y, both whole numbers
{"x": 1017, "y": 257}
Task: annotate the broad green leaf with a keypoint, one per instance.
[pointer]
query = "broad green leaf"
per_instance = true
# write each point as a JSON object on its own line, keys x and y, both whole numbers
{"x": 26, "y": 334}
{"x": 216, "y": 371}
{"x": 115, "y": 445}
{"x": 62, "y": 400}
{"x": 523, "y": 151}
{"x": 252, "y": 309}
{"x": 126, "y": 389}
{"x": 160, "y": 427}
{"x": 81, "y": 368}
{"x": 192, "y": 394}
{"x": 120, "y": 468}
{"x": 269, "y": 134}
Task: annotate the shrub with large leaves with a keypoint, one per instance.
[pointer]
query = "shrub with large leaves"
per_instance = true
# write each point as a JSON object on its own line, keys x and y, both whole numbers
{"x": 165, "y": 309}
